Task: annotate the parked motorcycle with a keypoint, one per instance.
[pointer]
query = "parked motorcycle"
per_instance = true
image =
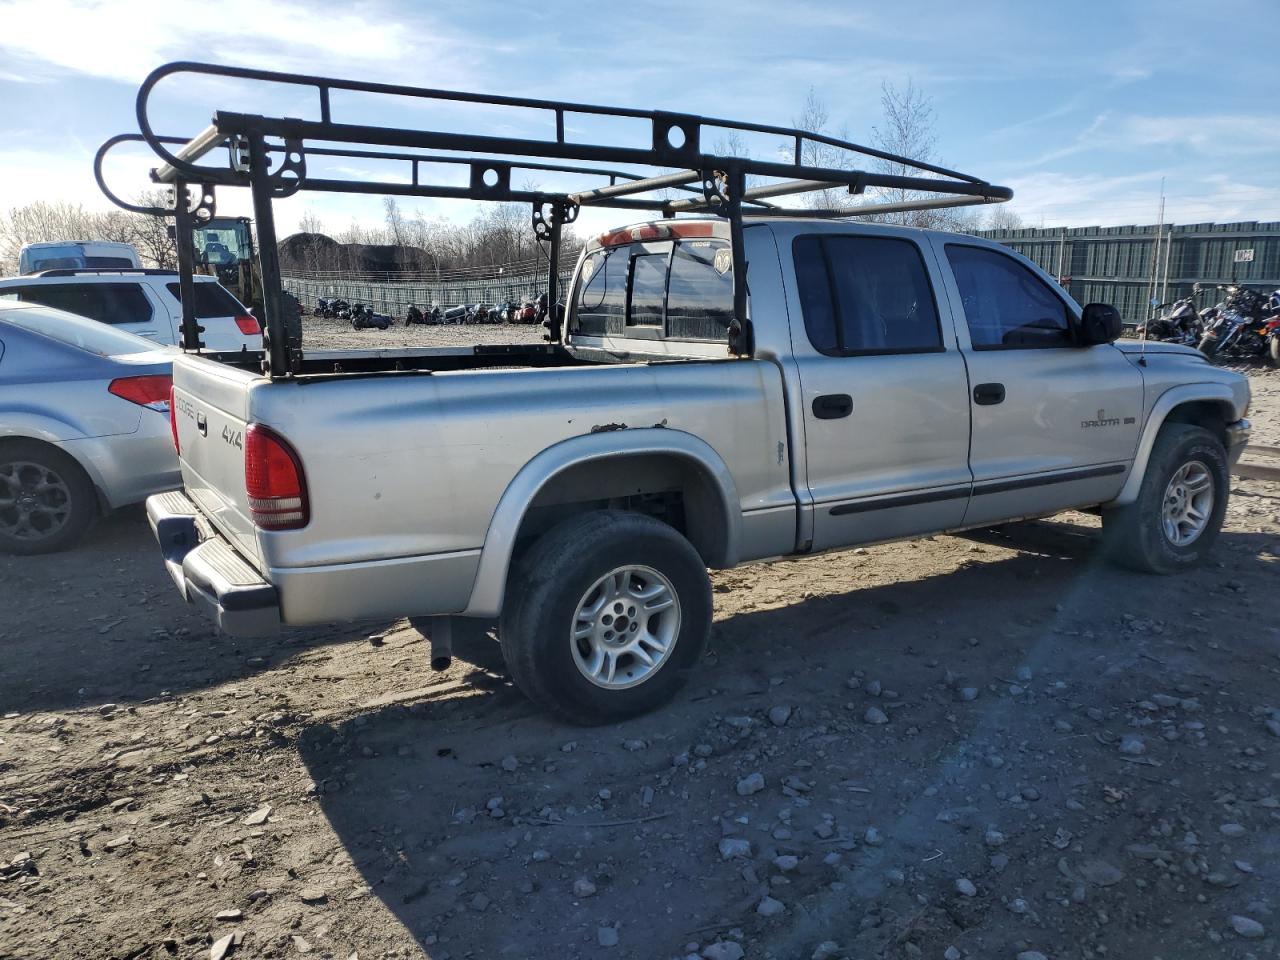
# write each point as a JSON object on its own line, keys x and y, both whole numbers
{"x": 1242, "y": 328}
{"x": 413, "y": 315}
{"x": 456, "y": 314}
{"x": 527, "y": 312}
{"x": 363, "y": 317}
{"x": 1177, "y": 322}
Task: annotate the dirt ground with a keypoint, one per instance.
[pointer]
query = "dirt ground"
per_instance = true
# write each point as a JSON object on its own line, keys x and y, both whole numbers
{"x": 992, "y": 746}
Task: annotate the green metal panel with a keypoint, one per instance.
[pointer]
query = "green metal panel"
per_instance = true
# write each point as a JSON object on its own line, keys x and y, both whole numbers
{"x": 1116, "y": 264}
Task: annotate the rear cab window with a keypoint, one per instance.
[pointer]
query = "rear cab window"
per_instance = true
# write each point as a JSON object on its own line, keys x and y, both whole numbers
{"x": 679, "y": 289}
{"x": 212, "y": 300}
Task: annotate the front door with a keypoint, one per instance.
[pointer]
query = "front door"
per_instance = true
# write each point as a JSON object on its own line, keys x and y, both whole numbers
{"x": 1054, "y": 425}
{"x": 886, "y": 419}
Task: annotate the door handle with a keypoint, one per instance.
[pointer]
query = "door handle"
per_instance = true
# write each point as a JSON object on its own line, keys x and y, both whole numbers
{"x": 988, "y": 394}
{"x": 202, "y": 424}
{"x": 832, "y": 406}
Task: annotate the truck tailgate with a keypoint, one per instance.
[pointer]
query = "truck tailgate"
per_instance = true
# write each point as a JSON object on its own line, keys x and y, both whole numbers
{"x": 211, "y": 406}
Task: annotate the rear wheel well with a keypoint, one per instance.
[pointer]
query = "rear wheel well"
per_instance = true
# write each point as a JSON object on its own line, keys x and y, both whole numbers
{"x": 672, "y": 489}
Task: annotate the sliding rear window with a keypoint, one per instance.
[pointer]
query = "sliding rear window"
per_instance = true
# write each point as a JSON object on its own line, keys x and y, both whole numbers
{"x": 674, "y": 290}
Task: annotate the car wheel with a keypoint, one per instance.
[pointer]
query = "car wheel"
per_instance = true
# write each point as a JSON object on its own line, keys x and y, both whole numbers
{"x": 1180, "y": 507}
{"x": 47, "y": 502}
{"x": 605, "y": 616}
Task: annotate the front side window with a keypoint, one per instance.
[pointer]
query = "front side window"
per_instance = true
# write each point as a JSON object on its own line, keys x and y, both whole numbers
{"x": 1005, "y": 304}
{"x": 105, "y": 302}
{"x": 865, "y": 295}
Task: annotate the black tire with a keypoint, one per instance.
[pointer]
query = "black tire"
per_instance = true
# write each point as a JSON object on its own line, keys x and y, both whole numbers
{"x": 73, "y": 502}
{"x": 1134, "y": 534}
{"x": 553, "y": 578}
{"x": 1273, "y": 350}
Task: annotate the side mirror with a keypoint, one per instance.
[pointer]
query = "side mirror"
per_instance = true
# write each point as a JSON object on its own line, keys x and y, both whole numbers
{"x": 1196, "y": 288}
{"x": 1100, "y": 323}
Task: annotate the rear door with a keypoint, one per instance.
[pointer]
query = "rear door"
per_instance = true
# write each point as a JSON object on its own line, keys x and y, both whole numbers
{"x": 1054, "y": 425}
{"x": 124, "y": 304}
{"x": 886, "y": 418}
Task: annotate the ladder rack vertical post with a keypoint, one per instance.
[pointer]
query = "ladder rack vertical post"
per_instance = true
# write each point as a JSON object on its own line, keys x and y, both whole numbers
{"x": 184, "y": 240}
{"x": 276, "y": 363}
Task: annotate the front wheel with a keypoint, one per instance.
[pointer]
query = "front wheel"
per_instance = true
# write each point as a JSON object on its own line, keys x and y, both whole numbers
{"x": 1273, "y": 350}
{"x": 1175, "y": 520}
{"x": 605, "y": 616}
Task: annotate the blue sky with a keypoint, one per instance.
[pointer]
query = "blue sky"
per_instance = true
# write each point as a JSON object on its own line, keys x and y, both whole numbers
{"x": 1080, "y": 107}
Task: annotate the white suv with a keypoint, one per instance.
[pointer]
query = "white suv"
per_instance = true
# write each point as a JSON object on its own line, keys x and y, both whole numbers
{"x": 143, "y": 302}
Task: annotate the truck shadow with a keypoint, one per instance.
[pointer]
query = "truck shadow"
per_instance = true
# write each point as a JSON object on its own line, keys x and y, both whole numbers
{"x": 470, "y": 816}
{"x": 103, "y": 622}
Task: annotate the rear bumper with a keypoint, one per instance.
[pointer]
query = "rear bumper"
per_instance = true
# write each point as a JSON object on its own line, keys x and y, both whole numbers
{"x": 208, "y": 573}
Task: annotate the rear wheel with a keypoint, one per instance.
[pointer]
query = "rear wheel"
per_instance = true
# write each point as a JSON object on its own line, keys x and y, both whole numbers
{"x": 605, "y": 616}
{"x": 1273, "y": 350}
{"x": 47, "y": 501}
{"x": 1180, "y": 506}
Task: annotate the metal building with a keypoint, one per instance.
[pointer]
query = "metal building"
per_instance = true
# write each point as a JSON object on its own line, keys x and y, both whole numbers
{"x": 1128, "y": 266}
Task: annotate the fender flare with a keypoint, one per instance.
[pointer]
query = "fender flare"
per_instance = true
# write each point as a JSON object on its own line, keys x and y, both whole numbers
{"x": 1171, "y": 398}
{"x": 499, "y": 543}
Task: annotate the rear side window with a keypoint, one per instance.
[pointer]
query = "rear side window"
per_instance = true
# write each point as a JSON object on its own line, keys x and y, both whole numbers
{"x": 865, "y": 295}
{"x": 212, "y": 300}
{"x": 1005, "y": 304}
{"x": 105, "y": 302}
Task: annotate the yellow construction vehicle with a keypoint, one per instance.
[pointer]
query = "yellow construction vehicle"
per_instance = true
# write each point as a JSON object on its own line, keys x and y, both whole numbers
{"x": 224, "y": 249}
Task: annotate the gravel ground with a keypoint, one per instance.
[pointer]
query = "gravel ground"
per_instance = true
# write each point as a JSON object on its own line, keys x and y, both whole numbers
{"x": 330, "y": 334}
{"x": 868, "y": 763}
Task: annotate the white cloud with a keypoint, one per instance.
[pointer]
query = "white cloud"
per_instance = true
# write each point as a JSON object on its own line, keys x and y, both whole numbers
{"x": 1059, "y": 199}
{"x": 124, "y": 39}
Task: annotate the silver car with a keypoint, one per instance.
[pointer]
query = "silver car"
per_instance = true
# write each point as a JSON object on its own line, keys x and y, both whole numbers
{"x": 84, "y": 425}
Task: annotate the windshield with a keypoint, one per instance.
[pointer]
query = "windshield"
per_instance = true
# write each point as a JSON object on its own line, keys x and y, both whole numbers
{"x": 222, "y": 243}
{"x": 98, "y": 338}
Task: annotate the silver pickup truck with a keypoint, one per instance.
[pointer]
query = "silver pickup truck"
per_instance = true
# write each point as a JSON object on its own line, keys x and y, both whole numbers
{"x": 901, "y": 383}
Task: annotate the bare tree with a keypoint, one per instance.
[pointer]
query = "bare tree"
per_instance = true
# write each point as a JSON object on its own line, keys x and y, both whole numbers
{"x": 151, "y": 235}
{"x": 815, "y": 117}
{"x": 397, "y": 233}
{"x": 907, "y": 130}
{"x": 45, "y": 221}
{"x": 1002, "y": 217}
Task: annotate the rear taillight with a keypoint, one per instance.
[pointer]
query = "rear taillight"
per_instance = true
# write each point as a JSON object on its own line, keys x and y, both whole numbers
{"x": 152, "y": 391}
{"x": 248, "y": 325}
{"x": 173, "y": 420}
{"x": 274, "y": 481}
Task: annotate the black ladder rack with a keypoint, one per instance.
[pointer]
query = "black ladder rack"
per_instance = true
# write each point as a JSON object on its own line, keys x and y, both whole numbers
{"x": 268, "y": 155}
